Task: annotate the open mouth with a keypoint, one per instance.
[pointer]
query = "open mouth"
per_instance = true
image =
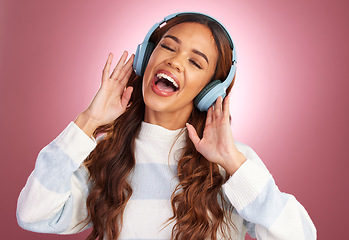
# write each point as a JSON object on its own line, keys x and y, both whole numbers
{"x": 165, "y": 83}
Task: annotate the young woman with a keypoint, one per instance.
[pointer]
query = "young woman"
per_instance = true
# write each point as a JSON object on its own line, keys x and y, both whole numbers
{"x": 160, "y": 168}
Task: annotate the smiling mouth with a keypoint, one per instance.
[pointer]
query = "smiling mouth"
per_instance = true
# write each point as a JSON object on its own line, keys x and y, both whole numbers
{"x": 165, "y": 83}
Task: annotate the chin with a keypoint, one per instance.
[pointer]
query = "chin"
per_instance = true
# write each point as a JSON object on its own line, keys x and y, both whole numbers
{"x": 159, "y": 104}
{"x": 156, "y": 106}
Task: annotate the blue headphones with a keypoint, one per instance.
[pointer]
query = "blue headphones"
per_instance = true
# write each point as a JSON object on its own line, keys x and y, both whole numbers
{"x": 211, "y": 91}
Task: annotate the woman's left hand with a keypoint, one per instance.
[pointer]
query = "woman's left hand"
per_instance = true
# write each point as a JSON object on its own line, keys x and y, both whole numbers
{"x": 217, "y": 144}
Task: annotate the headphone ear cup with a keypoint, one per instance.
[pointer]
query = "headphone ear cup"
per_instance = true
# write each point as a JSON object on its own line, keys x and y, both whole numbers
{"x": 209, "y": 95}
{"x": 142, "y": 56}
{"x": 149, "y": 50}
{"x": 204, "y": 91}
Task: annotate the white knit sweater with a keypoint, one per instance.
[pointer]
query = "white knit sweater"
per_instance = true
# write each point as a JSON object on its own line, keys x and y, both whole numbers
{"x": 54, "y": 197}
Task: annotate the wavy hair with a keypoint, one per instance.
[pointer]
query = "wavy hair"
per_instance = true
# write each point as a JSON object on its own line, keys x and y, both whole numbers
{"x": 200, "y": 210}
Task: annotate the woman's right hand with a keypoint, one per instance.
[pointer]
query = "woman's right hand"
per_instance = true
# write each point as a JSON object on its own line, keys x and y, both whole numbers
{"x": 112, "y": 97}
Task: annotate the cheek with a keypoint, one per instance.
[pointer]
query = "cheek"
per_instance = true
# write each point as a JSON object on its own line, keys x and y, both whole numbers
{"x": 151, "y": 62}
{"x": 148, "y": 73}
{"x": 153, "y": 59}
{"x": 199, "y": 82}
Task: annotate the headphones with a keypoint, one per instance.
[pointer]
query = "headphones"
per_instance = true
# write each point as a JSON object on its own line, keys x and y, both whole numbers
{"x": 211, "y": 91}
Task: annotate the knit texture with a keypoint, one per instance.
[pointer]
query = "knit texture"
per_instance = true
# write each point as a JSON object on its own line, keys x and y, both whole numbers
{"x": 54, "y": 197}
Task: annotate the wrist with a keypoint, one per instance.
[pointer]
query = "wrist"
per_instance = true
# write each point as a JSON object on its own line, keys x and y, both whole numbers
{"x": 86, "y": 124}
{"x": 234, "y": 162}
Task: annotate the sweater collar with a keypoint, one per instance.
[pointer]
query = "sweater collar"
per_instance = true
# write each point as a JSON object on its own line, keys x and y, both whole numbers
{"x": 157, "y": 132}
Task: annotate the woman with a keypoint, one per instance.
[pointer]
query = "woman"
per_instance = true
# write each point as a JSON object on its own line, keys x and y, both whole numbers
{"x": 160, "y": 168}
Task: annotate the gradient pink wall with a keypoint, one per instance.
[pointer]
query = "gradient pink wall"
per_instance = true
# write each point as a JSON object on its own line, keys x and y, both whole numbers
{"x": 290, "y": 102}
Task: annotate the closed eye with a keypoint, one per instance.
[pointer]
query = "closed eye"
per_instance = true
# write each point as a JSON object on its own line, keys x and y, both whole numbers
{"x": 167, "y": 47}
{"x": 195, "y": 64}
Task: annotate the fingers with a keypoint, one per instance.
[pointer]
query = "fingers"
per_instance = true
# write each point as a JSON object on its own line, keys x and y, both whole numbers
{"x": 217, "y": 113}
{"x": 106, "y": 69}
{"x": 209, "y": 116}
{"x": 121, "y": 69}
{"x": 119, "y": 65}
{"x": 126, "y": 97}
{"x": 226, "y": 110}
{"x": 193, "y": 135}
{"x": 126, "y": 71}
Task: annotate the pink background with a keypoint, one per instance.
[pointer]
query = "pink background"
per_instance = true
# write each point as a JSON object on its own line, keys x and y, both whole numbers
{"x": 290, "y": 102}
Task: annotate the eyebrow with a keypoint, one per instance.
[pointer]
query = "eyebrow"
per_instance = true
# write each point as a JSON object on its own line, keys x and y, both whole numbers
{"x": 194, "y": 50}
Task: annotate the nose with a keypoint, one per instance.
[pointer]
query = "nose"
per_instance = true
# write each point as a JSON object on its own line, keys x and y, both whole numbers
{"x": 175, "y": 62}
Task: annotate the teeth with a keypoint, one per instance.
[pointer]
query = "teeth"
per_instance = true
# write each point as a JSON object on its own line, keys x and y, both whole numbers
{"x": 163, "y": 75}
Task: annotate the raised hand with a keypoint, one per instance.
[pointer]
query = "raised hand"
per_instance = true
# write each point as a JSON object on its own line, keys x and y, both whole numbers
{"x": 217, "y": 144}
{"x": 112, "y": 97}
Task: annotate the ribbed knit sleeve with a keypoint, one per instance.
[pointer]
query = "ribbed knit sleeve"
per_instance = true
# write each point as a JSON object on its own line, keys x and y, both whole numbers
{"x": 54, "y": 197}
{"x": 270, "y": 214}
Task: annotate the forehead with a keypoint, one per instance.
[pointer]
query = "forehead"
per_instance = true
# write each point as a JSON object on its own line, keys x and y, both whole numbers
{"x": 195, "y": 36}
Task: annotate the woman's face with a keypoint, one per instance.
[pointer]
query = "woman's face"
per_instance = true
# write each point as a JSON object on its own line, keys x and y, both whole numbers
{"x": 180, "y": 66}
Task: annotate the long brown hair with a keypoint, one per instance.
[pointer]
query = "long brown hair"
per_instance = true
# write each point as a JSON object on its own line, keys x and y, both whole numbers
{"x": 200, "y": 210}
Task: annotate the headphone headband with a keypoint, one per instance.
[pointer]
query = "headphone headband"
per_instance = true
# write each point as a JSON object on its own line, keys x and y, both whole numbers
{"x": 169, "y": 17}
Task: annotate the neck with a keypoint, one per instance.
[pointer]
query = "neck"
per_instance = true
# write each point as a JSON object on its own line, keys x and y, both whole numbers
{"x": 169, "y": 120}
